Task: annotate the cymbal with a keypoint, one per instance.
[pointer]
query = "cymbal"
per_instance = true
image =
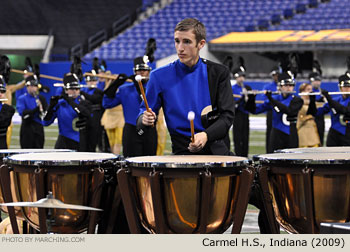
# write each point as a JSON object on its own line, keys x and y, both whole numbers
{"x": 50, "y": 203}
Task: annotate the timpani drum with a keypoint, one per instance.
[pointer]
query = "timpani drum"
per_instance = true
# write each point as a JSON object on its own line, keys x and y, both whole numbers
{"x": 302, "y": 190}
{"x": 73, "y": 177}
{"x": 342, "y": 149}
{"x": 8, "y": 152}
{"x": 185, "y": 194}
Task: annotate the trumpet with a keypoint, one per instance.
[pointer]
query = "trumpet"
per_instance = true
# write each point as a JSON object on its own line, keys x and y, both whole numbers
{"x": 319, "y": 93}
{"x": 255, "y": 92}
{"x": 81, "y": 85}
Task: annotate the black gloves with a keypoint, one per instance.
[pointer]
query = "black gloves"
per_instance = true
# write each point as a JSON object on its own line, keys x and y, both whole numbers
{"x": 81, "y": 123}
{"x": 54, "y": 100}
{"x": 268, "y": 94}
{"x": 110, "y": 91}
{"x": 325, "y": 94}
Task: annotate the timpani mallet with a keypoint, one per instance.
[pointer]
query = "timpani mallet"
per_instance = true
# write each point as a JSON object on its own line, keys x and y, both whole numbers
{"x": 190, "y": 117}
{"x": 139, "y": 78}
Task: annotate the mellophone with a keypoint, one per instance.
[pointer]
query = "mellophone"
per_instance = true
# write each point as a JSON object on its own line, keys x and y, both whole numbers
{"x": 180, "y": 194}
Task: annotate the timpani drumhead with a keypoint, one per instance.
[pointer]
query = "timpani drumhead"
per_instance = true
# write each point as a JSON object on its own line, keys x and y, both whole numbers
{"x": 8, "y": 152}
{"x": 60, "y": 158}
{"x": 342, "y": 149}
{"x": 186, "y": 161}
{"x": 304, "y": 158}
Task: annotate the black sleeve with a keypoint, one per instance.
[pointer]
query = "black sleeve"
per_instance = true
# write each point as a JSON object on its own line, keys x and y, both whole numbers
{"x": 219, "y": 75}
{"x": 291, "y": 110}
{"x": 312, "y": 110}
{"x": 53, "y": 102}
{"x": 340, "y": 109}
{"x": 6, "y": 115}
{"x": 250, "y": 105}
{"x": 29, "y": 113}
{"x": 95, "y": 98}
{"x": 43, "y": 102}
{"x": 82, "y": 109}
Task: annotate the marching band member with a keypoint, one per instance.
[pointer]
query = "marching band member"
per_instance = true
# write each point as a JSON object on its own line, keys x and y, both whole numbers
{"x": 315, "y": 80}
{"x": 240, "y": 128}
{"x": 285, "y": 108}
{"x": 94, "y": 95}
{"x": 135, "y": 143}
{"x": 339, "y": 132}
{"x": 307, "y": 129}
{"x": 191, "y": 84}
{"x": 6, "y": 114}
{"x": 73, "y": 114}
{"x": 31, "y": 106}
{"x": 272, "y": 87}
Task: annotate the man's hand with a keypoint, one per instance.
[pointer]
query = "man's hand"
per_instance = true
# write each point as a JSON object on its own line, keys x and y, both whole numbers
{"x": 148, "y": 118}
{"x": 200, "y": 139}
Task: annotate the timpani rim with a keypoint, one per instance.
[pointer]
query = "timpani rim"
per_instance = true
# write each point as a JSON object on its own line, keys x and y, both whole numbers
{"x": 186, "y": 161}
{"x": 8, "y": 152}
{"x": 60, "y": 158}
{"x": 304, "y": 158}
{"x": 324, "y": 149}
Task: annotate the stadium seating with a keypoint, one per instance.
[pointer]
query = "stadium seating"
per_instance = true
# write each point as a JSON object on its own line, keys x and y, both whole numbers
{"x": 224, "y": 16}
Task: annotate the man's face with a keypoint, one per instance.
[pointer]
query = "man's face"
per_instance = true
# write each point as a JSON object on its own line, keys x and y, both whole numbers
{"x": 92, "y": 83}
{"x": 287, "y": 88}
{"x": 33, "y": 90}
{"x": 187, "y": 48}
{"x": 143, "y": 73}
{"x": 316, "y": 84}
{"x": 73, "y": 92}
{"x": 240, "y": 79}
{"x": 275, "y": 77}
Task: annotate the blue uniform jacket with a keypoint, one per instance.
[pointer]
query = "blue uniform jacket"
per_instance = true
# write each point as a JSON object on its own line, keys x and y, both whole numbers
{"x": 337, "y": 122}
{"x": 66, "y": 117}
{"x": 28, "y": 102}
{"x": 128, "y": 96}
{"x": 179, "y": 89}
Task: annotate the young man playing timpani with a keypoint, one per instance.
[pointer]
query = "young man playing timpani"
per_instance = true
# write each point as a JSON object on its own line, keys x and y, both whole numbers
{"x": 191, "y": 84}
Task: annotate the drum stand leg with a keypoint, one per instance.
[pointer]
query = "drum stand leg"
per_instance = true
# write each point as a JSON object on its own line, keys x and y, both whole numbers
{"x": 40, "y": 194}
{"x": 129, "y": 203}
{"x": 242, "y": 200}
{"x": 98, "y": 177}
{"x": 205, "y": 202}
{"x": 307, "y": 175}
{"x": 114, "y": 211}
{"x": 6, "y": 191}
{"x": 157, "y": 203}
{"x": 267, "y": 201}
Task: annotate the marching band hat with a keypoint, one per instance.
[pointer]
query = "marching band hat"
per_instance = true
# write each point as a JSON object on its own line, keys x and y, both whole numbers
{"x": 314, "y": 76}
{"x": 32, "y": 80}
{"x": 141, "y": 63}
{"x": 239, "y": 71}
{"x": 285, "y": 79}
{"x": 71, "y": 81}
{"x": 275, "y": 71}
{"x": 91, "y": 78}
{"x": 344, "y": 80}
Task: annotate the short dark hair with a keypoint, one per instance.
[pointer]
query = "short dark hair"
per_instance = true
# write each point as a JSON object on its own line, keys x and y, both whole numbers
{"x": 192, "y": 23}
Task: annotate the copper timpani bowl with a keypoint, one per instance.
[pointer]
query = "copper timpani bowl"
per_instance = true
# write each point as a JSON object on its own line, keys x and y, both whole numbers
{"x": 8, "y": 152}
{"x": 70, "y": 178}
{"x": 185, "y": 194}
{"x": 306, "y": 189}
